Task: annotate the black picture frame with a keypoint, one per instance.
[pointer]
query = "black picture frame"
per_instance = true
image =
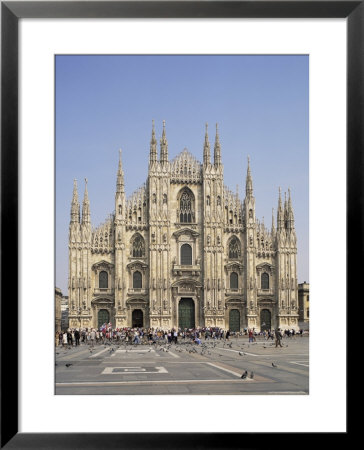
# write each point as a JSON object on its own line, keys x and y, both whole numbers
{"x": 11, "y": 12}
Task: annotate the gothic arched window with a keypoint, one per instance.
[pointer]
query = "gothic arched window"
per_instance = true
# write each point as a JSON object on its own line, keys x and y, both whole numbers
{"x": 234, "y": 280}
{"x": 103, "y": 280}
{"x": 264, "y": 280}
{"x": 186, "y": 212}
{"x": 186, "y": 255}
{"x": 234, "y": 248}
{"x": 138, "y": 247}
{"x": 137, "y": 280}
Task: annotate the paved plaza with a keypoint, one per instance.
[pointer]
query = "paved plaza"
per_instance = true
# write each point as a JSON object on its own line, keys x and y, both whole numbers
{"x": 214, "y": 367}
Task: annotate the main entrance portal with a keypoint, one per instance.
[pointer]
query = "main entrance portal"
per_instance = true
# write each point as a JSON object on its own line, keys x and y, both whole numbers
{"x": 186, "y": 313}
{"x": 265, "y": 320}
{"x": 103, "y": 318}
{"x": 234, "y": 320}
{"x": 137, "y": 318}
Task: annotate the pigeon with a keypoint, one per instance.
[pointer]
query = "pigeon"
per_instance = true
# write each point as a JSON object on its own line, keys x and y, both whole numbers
{"x": 245, "y": 374}
{"x": 241, "y": 354}
{"x": 67, "y": 365}
{"x": 273, "y": 365}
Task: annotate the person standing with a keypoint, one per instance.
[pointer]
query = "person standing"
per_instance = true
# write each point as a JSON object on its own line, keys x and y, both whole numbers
{"x": 250, "y": 333}
{"x": 278, "y": 335}
{"x": 93, "y": 337}
{"x": 69, "y": 338}
{"x": 77, "y": 337}
{"x": 61, "y": 338}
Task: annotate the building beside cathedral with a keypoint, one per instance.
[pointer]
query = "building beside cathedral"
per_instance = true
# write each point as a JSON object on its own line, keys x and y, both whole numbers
{"x": 183, "y": 251}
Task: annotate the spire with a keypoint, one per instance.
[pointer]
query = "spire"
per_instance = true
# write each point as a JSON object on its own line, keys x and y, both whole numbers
{"x": 217, "y": 148}
{"x": 249, "y": 182}
{"x": 280, "y": 215}
{"x": 85, "y": 206}
{"x": 290, "y": 216}
{"x": 164, "y": 145}
{"x": 75, "y": 205}
{"x": 273, "y": 225}
{"x": 206, "y": 148}
{"x": 153, "y": 146}
{"x": 285, "y": 210}
{"x": 120, "y": 176}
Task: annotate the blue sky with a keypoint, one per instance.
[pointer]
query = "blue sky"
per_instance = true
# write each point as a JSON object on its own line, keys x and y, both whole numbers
{"x": 108, "y": 102}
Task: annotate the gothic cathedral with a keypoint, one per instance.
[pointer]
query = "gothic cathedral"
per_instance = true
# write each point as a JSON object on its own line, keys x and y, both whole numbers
{"x": 183, "y": 251}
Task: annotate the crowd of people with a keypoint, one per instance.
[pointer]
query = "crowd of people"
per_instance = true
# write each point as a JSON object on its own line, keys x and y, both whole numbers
{"x": 94, "y": 336}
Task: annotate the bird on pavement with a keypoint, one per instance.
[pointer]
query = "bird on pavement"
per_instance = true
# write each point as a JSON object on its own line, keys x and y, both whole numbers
{"x": 251, "y": 375}
{"x": 273, "y": 365}
{"x": 67, "y": 365}
{"x": 245, "y": 374}
{"x": 241, "y": 353}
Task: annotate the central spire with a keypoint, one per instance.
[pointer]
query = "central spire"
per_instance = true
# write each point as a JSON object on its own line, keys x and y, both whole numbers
{"x": 164, "y": 145}
{"x": 85, "y": 206}
{"x": 153, "y": 146}
{"x": 75, "y": 205}
{"x": 206, "y": 148}
{"x": 249, "y": 181}
{"x": 120, "y": 176}
{"x": 280, "y": 214}
{"x": 217, "y": 148}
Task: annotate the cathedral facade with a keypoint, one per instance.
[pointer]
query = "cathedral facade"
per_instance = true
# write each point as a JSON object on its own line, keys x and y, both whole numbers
{"x": 183, "y": 251}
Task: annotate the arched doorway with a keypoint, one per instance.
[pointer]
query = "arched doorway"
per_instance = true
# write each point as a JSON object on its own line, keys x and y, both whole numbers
{"x": 234, "y": 320}
{"x": 265, "y": 320}
{"x": 103, "y": 317}
{"x": 186, "y": 313}
{"x": 137, "y": 318}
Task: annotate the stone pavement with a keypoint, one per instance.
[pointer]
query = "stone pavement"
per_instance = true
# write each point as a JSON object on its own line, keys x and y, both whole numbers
{"x": 212, "y": 368}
